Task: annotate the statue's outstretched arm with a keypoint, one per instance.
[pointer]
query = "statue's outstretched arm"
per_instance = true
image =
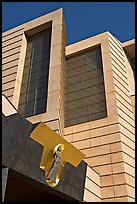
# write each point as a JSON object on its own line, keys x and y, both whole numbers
{"x": 61, "y": 163}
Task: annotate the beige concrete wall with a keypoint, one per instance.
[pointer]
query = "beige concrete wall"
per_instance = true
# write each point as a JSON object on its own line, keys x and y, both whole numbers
{"x": 124, "y": 87}
{"x": 11, "y": 45}
{"x": 7, "y": 108}
{"x": 109, "y": 143}
{"x": 92, "y": 192}
{"x": 133, "y": 103}
{"x": 131, "y": 80}
{"x": 19, "y": 74}
{"x": 100, "y": 141}
{"x": 14, "y": 49}
{"x": 54, "y": 115}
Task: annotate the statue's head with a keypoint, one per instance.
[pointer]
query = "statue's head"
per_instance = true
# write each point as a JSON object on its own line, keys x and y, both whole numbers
{"x": 59, "y": 148}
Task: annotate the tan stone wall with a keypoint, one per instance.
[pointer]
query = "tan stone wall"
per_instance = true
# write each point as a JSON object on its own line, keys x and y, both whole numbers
{"x": 133, "y": 104}
{"x": 11, "y": 45}
{"x": 92, "y": 186}
{"x": 14, "y": 49}
{"x": 124, "y": 86}
{"x": 109, "y": 143}
{"x": 100, "y": 141}
{"x": 7, "y": 108}
{"x": 54, "y": 115}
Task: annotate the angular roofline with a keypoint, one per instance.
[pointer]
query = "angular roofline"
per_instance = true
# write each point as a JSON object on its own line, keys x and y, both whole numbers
{"x": 129, "y": 47}
{"x": 129, "y": 42}
{"x": 29, "y": 21}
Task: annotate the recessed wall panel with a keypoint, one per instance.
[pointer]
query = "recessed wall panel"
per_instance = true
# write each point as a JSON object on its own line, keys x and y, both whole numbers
{"x": 33, "y": 96}
{"x": 84, "y": 88}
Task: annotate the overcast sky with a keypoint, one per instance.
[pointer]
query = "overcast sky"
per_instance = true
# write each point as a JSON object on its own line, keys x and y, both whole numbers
{"x": 83, "y": 19}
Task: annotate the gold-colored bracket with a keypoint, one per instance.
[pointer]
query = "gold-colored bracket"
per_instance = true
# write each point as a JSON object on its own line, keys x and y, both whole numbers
{"x": 50, "y": 139}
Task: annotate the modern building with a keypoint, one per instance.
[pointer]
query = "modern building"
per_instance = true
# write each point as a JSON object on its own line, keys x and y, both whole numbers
{"x": 85, "y": 92}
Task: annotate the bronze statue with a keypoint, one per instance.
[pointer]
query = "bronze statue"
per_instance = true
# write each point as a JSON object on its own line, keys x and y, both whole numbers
{"x": 54, "y": 167}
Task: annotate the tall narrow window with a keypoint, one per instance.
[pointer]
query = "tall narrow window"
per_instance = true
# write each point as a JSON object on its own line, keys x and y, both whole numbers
{"x": 33, "y": 96}
{"x": 84, "y": 88}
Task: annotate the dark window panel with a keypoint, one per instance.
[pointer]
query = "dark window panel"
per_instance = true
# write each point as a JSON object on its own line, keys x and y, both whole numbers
{"x": 84, "y": 88}
{"x": 37, "y": 66}
{"x": 97, "y": 116}
{"x": 30, "y": 96}
{"x": 91, "y": 83}
{"x": 76, "y": 121}
{"x": 33, "y": 97}
{"x": 39, "y": 111}
{"x": 37, "y": 75}
{"x": 84, "y": 93}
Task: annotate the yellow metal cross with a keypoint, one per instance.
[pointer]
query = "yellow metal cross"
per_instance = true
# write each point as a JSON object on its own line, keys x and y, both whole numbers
{"x": 50, "y": 139}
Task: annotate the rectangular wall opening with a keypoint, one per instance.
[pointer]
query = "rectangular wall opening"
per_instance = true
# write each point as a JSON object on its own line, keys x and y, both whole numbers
{"x": 84, "y": 88}
{"x": 33, "y": 95}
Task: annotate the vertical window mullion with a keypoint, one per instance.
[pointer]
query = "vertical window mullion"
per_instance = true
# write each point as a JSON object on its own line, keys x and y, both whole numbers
{"x": 35, "y": 102}
{"x": 30, "y": 73}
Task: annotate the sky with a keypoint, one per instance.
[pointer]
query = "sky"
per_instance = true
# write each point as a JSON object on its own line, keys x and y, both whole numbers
{"x": 82, "y": 19}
